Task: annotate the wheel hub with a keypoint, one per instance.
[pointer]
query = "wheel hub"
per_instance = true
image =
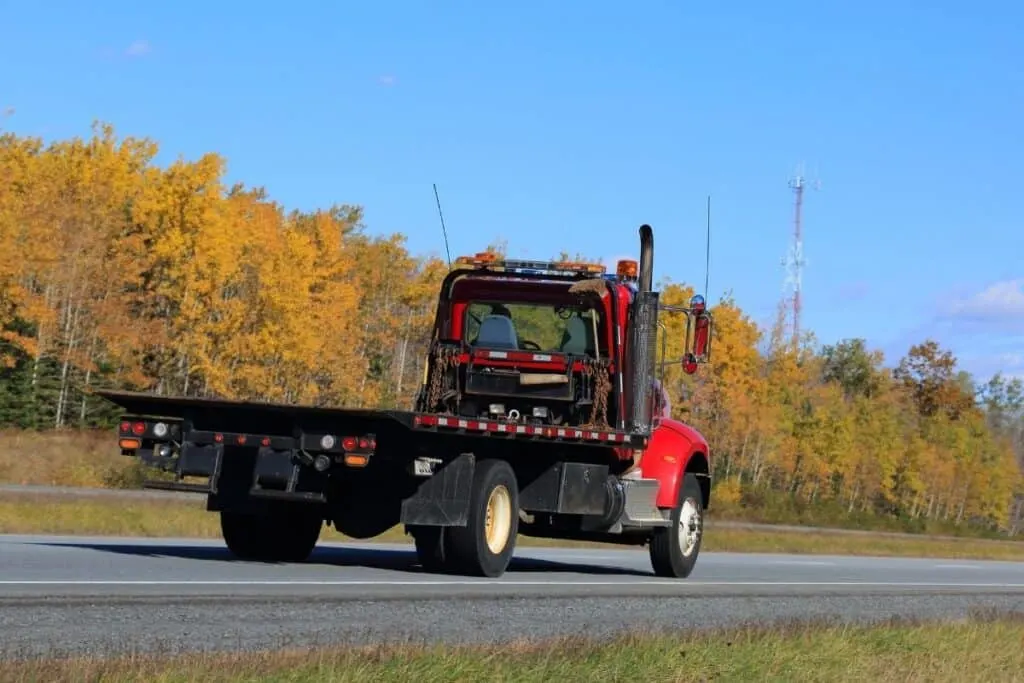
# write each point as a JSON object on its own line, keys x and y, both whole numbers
{"x": 689, "y": 527}
{"x": 498, "y": 519}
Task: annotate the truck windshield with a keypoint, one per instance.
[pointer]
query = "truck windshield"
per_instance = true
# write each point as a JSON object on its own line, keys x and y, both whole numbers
{"x": 533, "y": 327}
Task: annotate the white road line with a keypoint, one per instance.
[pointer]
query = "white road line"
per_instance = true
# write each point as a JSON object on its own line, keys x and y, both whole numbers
{"x": 485, "y": 582}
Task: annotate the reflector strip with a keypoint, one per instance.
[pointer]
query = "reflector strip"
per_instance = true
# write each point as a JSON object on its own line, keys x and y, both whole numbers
{"x": 511, "y": 429}
{"x": 521, "y": 356}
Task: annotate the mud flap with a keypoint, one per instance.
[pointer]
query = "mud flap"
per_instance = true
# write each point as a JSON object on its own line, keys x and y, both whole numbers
{"x": 275, "y": 469}
{"x": 443, "y": 498}
{"x": 198, "y": 460}
{"x": 194, "y": 460}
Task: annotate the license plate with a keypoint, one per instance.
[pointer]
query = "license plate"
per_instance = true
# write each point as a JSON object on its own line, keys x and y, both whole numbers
{"x": 422, "y": 468}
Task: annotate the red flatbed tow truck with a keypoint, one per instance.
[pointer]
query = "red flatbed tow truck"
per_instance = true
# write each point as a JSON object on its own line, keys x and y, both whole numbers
{"x": 540, "y": 414}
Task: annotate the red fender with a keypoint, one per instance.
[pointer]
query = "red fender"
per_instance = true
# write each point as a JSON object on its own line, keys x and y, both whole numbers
{"x": 669, "y": 453}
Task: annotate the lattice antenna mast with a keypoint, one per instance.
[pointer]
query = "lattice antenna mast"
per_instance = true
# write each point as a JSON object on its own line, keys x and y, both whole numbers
{"x": 795, "y": 262}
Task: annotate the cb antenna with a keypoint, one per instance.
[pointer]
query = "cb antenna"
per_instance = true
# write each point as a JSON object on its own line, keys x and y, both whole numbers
{"x": 444, "y": 231}
{"x": 707, "y": 255}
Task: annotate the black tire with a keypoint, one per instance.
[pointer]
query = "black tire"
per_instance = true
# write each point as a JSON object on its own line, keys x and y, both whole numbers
{"x": 668, "y": 556}
{"x": 431, "y": 548}
{"x": 282, "y": 536}
{"x": 467, "y": 547}
{"x": 367, "y": 523}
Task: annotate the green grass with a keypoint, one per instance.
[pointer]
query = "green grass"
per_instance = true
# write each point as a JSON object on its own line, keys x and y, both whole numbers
{"x": 983, "y": 648}
{"x": 72, "y": 515}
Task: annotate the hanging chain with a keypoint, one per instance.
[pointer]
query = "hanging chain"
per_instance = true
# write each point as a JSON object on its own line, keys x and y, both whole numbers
{"x": 597, "y": 370}
{"x": 445, "y": 357}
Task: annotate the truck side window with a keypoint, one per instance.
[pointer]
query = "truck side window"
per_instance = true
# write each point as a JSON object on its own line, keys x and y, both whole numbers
{"x": 577, "y": 338}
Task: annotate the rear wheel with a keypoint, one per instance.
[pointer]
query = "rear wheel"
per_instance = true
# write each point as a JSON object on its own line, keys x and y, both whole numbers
{"x": 283, "y": 535}
{"x": 484, "y": 547}
{"x": 674, "y": 548}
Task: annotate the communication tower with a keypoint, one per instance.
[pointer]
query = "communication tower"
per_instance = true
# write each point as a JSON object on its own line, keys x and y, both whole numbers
{"x": 795, "y": 262}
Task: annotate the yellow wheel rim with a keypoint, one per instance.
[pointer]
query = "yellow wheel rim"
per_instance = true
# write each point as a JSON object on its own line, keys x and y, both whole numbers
{"x": 498, "y": 521}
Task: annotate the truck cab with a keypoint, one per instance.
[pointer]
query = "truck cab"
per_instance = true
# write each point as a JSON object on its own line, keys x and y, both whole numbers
{"x": 568, "y": 350}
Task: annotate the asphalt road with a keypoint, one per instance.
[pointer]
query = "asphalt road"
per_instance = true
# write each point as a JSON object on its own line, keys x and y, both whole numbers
{"x": 101, "y": 595}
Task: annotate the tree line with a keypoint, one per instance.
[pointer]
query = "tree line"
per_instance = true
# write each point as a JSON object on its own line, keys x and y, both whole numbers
{"x": 118, "y": 273}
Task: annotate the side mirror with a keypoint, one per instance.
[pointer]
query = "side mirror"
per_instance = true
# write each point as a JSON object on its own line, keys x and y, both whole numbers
{"x": 698, "y": 329}
{"x": 701, "y": 320}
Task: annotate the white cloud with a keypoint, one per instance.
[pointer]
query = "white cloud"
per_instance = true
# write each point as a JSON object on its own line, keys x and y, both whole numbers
{"x": 387, "y": 80}
{"x": 138, "y": 49}
{"x": 997, "y": 301}
{"x": 1015, "y": 360}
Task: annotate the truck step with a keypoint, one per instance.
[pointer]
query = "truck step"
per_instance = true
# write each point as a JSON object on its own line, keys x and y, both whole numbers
{"x": 176, "y": 486}
{"x": 640, "y": 508}
{"x": 277, "y": 494}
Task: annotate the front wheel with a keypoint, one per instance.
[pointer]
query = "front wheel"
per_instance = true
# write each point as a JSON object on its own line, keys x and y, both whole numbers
{"x": 674, "y": 548}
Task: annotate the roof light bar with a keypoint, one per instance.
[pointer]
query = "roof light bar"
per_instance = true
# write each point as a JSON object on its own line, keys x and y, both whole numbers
{"x": 492, "y": 261}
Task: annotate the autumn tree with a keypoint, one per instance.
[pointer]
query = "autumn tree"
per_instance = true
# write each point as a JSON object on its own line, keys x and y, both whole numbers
{"x": 856, "y": 369}
{"x": 928, "y": 374}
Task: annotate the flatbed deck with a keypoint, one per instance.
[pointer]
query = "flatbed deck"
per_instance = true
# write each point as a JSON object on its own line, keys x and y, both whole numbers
{"x": 244, "y": 414}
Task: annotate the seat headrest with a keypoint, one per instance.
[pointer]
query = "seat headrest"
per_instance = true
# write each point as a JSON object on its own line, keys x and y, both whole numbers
{"x": 498, "y": 332}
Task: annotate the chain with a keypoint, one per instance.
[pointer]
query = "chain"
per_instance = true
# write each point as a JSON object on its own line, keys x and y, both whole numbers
{"x": 444, "y": 358}
{"x": 598, "y": 371}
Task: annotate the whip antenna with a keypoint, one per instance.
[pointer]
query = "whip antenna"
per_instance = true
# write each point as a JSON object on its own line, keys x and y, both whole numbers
{"x": 444, "y": 231}
{"x": 707, "y": 255}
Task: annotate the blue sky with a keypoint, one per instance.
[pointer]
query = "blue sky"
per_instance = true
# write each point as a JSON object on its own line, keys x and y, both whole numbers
{"x": 566, "y": 125}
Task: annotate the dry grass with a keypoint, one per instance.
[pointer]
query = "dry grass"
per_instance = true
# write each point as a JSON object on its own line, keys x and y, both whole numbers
{"x": 65, "y": 459}
{"x": 983, "y": 648}
{"x": 72, "y": 515}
